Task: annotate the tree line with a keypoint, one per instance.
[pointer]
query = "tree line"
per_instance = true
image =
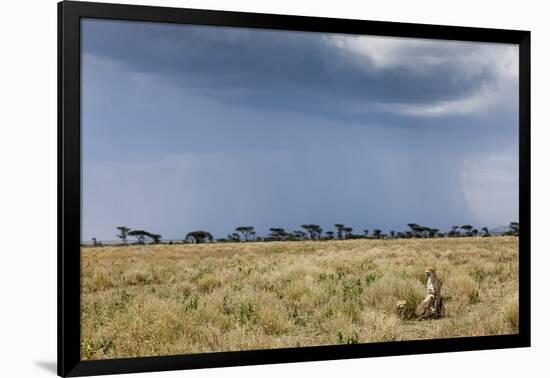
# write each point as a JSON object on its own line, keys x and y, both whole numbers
{"x": 310, "y": 232}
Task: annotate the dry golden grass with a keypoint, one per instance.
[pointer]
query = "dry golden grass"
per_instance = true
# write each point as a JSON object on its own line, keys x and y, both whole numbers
{"x": 179, "y": 299}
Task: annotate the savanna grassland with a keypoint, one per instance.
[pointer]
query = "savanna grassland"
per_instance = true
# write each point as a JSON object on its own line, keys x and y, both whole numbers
{"x": 145, "y": 300}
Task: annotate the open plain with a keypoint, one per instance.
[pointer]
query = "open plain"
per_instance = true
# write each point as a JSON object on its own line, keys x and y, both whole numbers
{"x": 150, "y": 300}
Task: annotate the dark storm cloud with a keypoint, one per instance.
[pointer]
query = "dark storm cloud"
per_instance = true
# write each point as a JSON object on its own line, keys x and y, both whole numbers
{"x": 261, "y": 67}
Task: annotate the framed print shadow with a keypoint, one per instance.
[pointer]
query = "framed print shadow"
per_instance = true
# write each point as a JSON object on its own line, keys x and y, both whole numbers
{"x": 240, "y": 188}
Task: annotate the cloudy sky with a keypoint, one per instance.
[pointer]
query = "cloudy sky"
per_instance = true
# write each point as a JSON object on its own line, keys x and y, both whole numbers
{"x": 192, "y": 127}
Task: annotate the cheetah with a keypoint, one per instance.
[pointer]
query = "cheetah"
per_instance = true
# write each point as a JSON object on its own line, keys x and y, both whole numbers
{"x": 432, "y": 306}
{"x": 404, "y": 309}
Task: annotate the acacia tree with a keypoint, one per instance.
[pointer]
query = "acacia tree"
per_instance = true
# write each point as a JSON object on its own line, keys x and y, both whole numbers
{"x": 299, "y": 235}
{"x": 140, "y": 235}
{"x": 432, "y": 232}
{"x": 485, "y": 231}
{"x": 155, "y": 237}
{"x": 392, "y": 234}
{"x": 310, "y": 229}
{"x": 234, "y": 237}
{"x": 467, "y": 229}
{"x": 475, "y": 231}
{"x": 246, "y": 231}
{"x": 199, "y": 236}
{"x": 366, "y": 233}
{"x": 376, "y": 233}
{"x": 426, "y": 232}
{"x": 277, "y": 233}
{"x": 348, "y": 231}
{"x": 123, "y": 234}
{"x": 339, "y": 230}
{"x": 314, "y": 230}
{"x": 454, "y": 232}
{"x": 416, "y": 230}
{"x": 319, "y": 232}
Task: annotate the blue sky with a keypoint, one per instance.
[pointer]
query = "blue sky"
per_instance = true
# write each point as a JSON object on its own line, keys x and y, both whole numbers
{"x": 193, "y": 127}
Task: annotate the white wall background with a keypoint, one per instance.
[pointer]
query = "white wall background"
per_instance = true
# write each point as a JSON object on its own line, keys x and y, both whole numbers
{"x": 28, "y": 154}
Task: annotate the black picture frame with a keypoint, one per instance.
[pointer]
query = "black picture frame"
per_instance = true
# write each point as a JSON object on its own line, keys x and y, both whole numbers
{"x": 69, "y": 15}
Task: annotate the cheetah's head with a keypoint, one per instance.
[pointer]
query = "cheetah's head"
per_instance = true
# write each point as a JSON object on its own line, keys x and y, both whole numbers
{"x": 430, "y": 272}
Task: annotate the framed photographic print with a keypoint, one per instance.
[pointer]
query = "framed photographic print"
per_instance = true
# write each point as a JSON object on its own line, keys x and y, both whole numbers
{"x": 239, "y": 188}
